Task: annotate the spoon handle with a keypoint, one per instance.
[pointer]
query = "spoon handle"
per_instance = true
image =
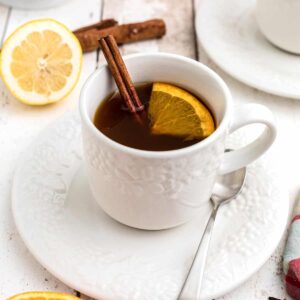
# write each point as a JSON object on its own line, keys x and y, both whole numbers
{"x": 192, "y": 286}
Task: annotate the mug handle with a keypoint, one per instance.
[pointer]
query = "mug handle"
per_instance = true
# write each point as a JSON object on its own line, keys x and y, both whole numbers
{"x": 245, "y": 115}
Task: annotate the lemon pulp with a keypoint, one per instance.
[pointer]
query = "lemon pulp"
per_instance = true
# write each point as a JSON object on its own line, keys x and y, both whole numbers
{"x": 41, "y": 62}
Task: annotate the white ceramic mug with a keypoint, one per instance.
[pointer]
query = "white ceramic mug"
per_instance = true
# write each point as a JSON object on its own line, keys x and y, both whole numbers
{"x": 279, "y": 21}
{"x": 157, "y": 190}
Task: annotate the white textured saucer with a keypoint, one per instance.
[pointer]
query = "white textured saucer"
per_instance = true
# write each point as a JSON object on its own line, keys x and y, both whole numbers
{"x": 77, "y": 242}
{"x": 229, "y": 33}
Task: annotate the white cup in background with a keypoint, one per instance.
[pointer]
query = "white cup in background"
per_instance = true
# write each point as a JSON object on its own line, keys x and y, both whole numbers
{"x": 279, "y": 21}
{"x": 33, "y": 4}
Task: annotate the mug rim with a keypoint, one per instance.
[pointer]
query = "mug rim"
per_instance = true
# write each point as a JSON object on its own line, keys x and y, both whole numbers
{"x": 148, "y": 153}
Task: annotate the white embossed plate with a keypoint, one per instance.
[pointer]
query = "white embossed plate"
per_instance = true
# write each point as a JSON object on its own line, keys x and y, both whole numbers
{"x": 77, "y": 242}
{"x": 230, "y": 35}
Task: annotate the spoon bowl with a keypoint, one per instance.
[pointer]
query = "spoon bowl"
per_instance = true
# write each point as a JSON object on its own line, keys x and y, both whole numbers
{"x": 228, "y": 186}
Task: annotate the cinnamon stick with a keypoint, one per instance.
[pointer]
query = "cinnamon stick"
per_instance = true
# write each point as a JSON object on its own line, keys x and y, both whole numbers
{"x": 119, "y": 77}
{"x": 126, "y": 33}
{"x": 124, "y": 72}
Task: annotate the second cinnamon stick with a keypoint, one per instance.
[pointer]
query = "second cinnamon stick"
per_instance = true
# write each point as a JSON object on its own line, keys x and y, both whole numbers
{"x": 125, "y": 33}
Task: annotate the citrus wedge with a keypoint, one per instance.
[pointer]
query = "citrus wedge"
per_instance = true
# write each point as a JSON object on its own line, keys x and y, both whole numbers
{"x": 43, "y": 296}
{"x": 40, "y": 62}
{"x": 174, "y": 111}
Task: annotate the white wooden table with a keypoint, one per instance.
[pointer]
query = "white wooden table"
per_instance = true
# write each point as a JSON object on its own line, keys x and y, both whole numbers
{"x": 19, "y": 125}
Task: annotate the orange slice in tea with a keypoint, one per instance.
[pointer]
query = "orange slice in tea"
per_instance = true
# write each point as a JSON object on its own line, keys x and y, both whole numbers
{"x": 174, "y": 111}
{"x": 43, "y": 296}
{"x": 40, "y": 62}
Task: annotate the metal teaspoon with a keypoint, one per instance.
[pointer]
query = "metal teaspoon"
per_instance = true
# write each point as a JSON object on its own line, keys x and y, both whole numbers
{"x": 226, "y": 188}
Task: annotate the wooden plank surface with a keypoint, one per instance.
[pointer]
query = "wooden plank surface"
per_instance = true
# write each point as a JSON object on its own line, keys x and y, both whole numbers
{"x": 178, "y": 16}
{"x": 19, "y": 124}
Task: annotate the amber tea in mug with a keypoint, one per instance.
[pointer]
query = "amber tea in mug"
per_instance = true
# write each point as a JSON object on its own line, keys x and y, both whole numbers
{"x": 116, "y": 122}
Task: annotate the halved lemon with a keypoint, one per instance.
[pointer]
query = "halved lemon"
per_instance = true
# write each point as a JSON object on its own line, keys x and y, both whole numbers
{"x": 40, "y": 62}
{"x": 43, "y": 296}
{"x": 174, "y": 111}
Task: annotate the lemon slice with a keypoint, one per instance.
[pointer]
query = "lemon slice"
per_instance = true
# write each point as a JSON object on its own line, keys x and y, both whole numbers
{"x": 40, "y": 62}
{"x": 43, "y": 296}
{"x": 174, "y": 111}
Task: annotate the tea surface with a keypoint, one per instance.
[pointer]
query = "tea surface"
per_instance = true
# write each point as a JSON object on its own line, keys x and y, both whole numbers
{"x": 117, "y": 123}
